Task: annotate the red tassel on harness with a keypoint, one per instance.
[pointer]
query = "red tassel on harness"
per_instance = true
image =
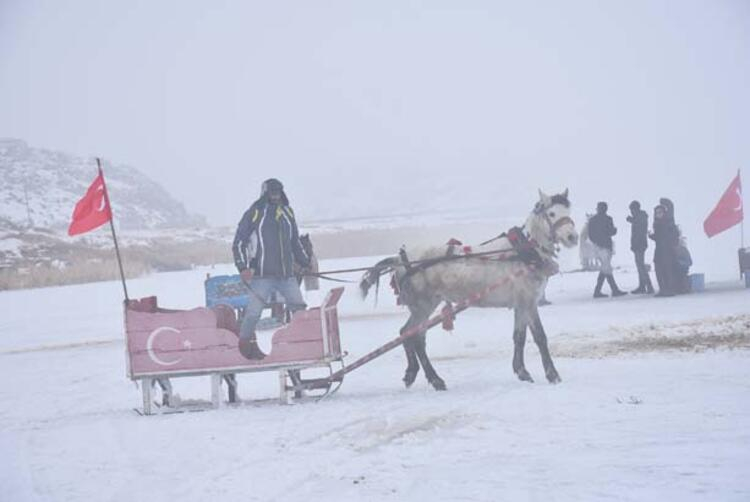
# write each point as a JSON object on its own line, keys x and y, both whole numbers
{"x": 454, "y": 242}
{"x": 448, "y": 316}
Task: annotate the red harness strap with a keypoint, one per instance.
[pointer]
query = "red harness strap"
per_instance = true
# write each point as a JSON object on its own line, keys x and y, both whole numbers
{"x": 455, "y": 242}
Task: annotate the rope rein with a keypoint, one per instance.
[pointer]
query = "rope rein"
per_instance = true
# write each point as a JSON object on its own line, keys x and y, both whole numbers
{"x": 426, "y": 262}
{"x": 429, "y": 261}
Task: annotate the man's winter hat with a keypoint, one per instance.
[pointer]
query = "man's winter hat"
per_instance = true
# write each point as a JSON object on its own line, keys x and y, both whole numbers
{"x": 635, "y": 205}
{"x": 601, "y": 207}
{"x": 271, "y": 185}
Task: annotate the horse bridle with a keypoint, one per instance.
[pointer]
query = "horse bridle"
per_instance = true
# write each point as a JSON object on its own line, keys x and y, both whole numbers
{"x": 554, "y": 226}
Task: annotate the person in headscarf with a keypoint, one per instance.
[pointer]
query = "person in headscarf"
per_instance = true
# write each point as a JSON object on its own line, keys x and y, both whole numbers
{"x": 666, "y": 237}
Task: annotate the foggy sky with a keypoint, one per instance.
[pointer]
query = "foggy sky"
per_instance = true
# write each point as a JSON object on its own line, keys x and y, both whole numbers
{"x": 391, "y": 106}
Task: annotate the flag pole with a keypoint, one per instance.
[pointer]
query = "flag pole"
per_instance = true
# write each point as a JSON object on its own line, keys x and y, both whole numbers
{"x": 112, "y": 226}
{"x": 742, "y": 205}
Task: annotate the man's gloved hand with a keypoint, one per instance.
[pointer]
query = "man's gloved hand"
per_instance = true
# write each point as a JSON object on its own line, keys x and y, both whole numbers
{"x": 246, "y": 275}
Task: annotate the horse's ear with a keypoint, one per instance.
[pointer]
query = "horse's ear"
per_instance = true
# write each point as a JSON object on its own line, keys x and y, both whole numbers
{"x": 544, "y": 198}
{"x": 565, "y": 193}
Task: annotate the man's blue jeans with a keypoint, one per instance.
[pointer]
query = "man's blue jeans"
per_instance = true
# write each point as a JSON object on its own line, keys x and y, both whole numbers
{"x": 261, "y": 289}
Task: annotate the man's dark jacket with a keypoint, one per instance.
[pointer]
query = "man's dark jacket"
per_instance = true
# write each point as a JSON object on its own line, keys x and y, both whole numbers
{"x": 601, "y": 230}
{"x": 638, "y": 230}
{"x": 267, "y": 240}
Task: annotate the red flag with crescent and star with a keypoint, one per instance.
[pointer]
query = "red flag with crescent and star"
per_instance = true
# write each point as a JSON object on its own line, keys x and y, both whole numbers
{"x": 92, "y": 210}
{"x": 728, "y": 212}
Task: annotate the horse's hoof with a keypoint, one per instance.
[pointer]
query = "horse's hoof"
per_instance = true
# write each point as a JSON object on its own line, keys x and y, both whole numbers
{"x": 409, "y": 379}
{"x": 438, "y": 384}
{"x": 553, "y": 377}
{"x": 524, "y": 376}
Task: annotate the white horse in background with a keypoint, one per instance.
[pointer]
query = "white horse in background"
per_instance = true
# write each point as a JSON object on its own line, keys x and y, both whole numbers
{"x": 587, "y": 250}
{"x": 509, "y": 274}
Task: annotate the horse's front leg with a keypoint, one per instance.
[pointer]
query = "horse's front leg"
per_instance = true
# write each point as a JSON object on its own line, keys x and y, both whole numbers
{"x": 432, "y": 376}
{"x": 410, "y": 347}
{"x": 540, "y": 337}
{"x": 412, "y": 364}
{"x": 519, "y": 340}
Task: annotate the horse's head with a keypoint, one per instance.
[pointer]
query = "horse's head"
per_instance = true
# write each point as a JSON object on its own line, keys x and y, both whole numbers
{"x": 553, "y": 219}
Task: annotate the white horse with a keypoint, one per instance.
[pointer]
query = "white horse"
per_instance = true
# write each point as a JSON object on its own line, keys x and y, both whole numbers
{"x": 511, "y": 271}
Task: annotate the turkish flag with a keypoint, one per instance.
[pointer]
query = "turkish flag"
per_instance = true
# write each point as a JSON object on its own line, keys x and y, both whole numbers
{"x": 92, "y": 210}
{"x": 728, "y": 212}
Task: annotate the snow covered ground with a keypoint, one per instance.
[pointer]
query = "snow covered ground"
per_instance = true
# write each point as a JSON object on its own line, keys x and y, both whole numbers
{"x": 654, "y": 404}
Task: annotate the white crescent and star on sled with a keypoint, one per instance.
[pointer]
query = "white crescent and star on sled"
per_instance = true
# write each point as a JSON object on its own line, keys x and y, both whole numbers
{"x": 150, "y": 345}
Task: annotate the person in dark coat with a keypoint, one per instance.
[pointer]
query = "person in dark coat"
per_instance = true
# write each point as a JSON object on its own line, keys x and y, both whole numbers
{"x": 601, "y": 230}
{"x": 682, "y": 261}
{"x": 668, "y": 206}
{"x": 266, "y": 246}
{"x": 666, "y": 238}
{"x": 638, "y": 220}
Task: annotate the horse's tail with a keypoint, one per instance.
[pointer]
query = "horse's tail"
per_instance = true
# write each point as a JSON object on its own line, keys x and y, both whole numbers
{"x": 372, "y": 276}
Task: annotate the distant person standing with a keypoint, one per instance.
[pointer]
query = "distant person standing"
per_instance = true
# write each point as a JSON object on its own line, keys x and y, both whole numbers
{"x": 680, "y": 259}
{"x": 601, "y": 231}
{"x": 638, "y": 220}
{"x": 666, "y": 238}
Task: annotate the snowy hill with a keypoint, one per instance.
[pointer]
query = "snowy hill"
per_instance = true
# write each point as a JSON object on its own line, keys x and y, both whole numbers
{"x": 39, "y": 188}
{"x": 38, "y": 191}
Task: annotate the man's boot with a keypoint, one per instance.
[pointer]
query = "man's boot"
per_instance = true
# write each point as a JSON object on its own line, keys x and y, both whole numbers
{"x": 249, "y": 348}
{"x": 599, "y": 283}
{"x": 613, "y": 286}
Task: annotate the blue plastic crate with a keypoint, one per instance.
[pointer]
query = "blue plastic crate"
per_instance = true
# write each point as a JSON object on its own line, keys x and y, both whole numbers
{"x": 226, "y": 290}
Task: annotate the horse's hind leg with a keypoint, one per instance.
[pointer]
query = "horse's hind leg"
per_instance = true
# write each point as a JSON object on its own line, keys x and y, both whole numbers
{"x": 540, "y": 337}
{"x": 432, "y": 376}
{"x": 519, "y": 341}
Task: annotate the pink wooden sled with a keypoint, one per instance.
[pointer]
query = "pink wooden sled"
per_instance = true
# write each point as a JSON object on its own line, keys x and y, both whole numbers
{"x": 164, "y": 343}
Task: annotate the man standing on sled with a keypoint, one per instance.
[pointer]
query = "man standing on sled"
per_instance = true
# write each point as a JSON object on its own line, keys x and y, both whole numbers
{"x": 266, "y": 246}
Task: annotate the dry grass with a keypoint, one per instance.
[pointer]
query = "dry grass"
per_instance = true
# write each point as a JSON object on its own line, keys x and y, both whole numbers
{"x": 49, "y": 261}
{"x": 387, "y": 241}
{"x": 731, "y": 332}
{"x": 75, "y": 264}
{"x": 45, "y": 274}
